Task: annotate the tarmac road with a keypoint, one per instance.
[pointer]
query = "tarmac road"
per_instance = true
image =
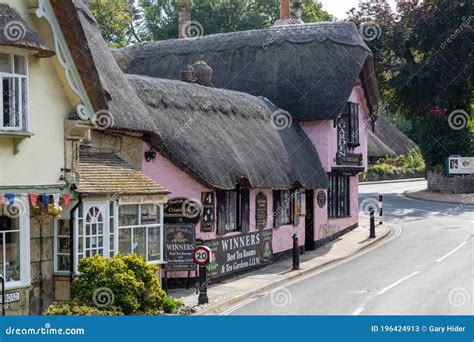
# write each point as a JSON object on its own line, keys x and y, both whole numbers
{"x": 425, "y": 268}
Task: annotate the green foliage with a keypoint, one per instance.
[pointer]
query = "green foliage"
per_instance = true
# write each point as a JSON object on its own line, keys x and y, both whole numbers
{"x": 123, "y": 22}
{"x": 412, "y": 163}
{"x": 170, "y": 305}
{"x": 75, "y": 308}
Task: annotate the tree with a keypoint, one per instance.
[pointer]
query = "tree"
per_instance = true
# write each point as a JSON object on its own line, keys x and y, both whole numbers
{"x": 423, "y": 55}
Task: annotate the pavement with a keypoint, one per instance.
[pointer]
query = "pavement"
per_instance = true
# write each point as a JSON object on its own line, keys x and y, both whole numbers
{"x": 425, "y": 195}
{"x": 280, "y": 272}
{"x": 425, "y": 266}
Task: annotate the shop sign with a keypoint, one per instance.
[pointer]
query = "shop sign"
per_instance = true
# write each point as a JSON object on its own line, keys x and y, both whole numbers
{"x": 182, "y": 210}
{"x": 180, "y": 242}
{"x": 342, "y": 134}
{"x": 261, "y": 213}
{"x": 208, "y": 212}
{"x": 11, "y": 297}
{"x": 350, "y": 159}
{"x": 321, "y": 198}
{"x": 142, "y": 199}
{"x": 239, "y": 252}
{"x": 460, "y": 165}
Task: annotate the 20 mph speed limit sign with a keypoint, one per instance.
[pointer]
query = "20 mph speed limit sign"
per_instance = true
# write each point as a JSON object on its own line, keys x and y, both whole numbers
{"x": 202, "y": 255}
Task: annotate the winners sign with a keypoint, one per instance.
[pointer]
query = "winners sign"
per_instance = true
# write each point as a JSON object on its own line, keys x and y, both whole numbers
{"x": 180, "y": 242}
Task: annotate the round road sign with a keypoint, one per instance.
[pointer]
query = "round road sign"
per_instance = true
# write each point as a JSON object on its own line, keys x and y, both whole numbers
{"x": 202, "y": 255}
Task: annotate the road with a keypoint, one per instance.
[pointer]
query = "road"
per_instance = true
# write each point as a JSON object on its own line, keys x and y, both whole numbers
{"x": 426, "y": 267}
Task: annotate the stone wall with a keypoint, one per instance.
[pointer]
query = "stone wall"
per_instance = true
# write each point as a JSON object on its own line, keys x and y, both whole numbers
{"x": 455, "y": 184}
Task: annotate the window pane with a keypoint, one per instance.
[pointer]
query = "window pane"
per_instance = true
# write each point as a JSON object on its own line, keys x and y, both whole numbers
{"x": 20, "y": 65}
{"x": 5, "y": 63}
{"x": 63, "y": 228}
{"x": 64, "y": 245}
{"x": 149, "y": 214}
{"x": 24, "y": 103}
{"x": 125, "y": 238}
{"x": 10, "y": 102}
{"x": 128, "y": 215}
{"x": 12, "y": 256}
{"x": 139, "y": 240}
{"x": 154, "y": 244}
{"x": 8, "y": 223}
{"x": 63, "y": 263}
{"x": 230, "y": 211}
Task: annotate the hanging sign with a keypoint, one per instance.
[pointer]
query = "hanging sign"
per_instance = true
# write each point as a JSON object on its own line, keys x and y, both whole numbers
{"x": 182, "y": 210}
{"x": 342, "y": 134}
{"x": 180, "y": 242}
{"x": 237, "y": 253}
{"x": 321, "y": 198}
{"x": 261, "y": 213}
{"x": 208, "y": 212}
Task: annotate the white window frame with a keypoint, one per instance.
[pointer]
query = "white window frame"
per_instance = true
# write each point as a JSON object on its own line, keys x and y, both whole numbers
{"x": 24, "y": 222}
{"x": 56, "y": 246}
{"x": 24, "y": 126}
{"x": 159, "y": 225}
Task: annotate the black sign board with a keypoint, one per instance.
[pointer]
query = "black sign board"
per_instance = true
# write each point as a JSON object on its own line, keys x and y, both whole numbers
{"x": 180, "y": 242}
{"x": 350, "y": 159}
{"x": 208, "y": 212}
{"x": 321, "y": 198}
{"x": 261, "y": 214}
{"x": 181, "y": 210}
{"x": 239, "y": 252}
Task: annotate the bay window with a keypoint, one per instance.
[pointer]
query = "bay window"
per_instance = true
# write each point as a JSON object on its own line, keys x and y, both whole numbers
{"x": 14, "y": 90}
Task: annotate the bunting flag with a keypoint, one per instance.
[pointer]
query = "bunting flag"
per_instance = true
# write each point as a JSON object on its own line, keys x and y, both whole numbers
{"x": 10, "y": 198}
{"x": 1, "y": 199}
{"x": 66, "y": 198}
{"x": 56, "y": 199}
{"x": 45, "y": 198}
{"x": 33, "y": 198}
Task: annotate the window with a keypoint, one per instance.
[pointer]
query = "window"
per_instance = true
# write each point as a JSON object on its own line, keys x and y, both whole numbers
{"x": 353, "y": 112}
{"x": 14, "y": 242}
{"x": 338, "y": 196}
{"x": 140, "y": 231}
{"x": 227, "y": 211}
{"x": 62, "y": 246}
{"x": 283, "y": 201}
{"x": 14, "y": 90}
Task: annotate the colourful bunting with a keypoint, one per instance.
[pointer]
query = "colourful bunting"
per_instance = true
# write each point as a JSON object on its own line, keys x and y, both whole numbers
{"x": 1, "y": 199}
{"x": 66, "y": 198}
{"x": 45, "y": 198}
{"x": 33, "y": 198}
{"x": 10, "y": 198}
{"x": 56, "y": 199}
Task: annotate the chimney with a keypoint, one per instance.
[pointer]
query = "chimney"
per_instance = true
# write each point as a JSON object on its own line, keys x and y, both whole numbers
{"x": 184, "y": 17}
{"x": 284, "y": 9}
{"x": 296, "y": 13}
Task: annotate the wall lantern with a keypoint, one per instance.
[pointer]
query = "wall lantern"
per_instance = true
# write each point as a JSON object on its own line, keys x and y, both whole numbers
{"x": 150, "y": 155}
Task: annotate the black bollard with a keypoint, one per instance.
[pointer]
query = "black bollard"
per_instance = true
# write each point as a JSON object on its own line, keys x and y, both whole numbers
{"x": 203, "y": 298}
{"x": 380, "y": 208}
{"x": 372, "y": 223}
{"x": 296, "y": 254}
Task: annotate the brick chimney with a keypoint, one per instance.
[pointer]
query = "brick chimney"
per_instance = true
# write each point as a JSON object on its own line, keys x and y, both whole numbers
{"x": 184, "y": 16}
{"x": 284, "y": 9}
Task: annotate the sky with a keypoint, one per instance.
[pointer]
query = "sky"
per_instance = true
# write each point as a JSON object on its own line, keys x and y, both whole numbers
{"x": 339, "y": 8}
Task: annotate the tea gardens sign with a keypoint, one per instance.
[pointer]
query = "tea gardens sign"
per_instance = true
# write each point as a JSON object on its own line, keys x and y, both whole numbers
{"x": 180, "y": 242}
{"x": 182, "y": 210}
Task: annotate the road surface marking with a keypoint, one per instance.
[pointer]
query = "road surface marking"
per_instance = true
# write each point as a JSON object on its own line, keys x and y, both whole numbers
{"x": 453, "y": 251}
{"x": 358, "y": 311}
{"x": 238, "y": 306}
{"x": 398, "y": 282}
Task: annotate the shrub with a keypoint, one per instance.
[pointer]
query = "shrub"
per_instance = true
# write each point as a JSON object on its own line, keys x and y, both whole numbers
{"x": 74, "y": 308}
{"x": 170, "y": 305}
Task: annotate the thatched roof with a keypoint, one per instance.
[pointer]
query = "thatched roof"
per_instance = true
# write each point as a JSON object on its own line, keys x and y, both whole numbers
{"x": 17, "y": 33}
{"x": 376, "y": 148}
{"x": 103, "y": 172}
{"x": 309, "y": 70}
{"x": 222, "y": 137}
{"x": 105, "y": 83}
{"x": 393, "y": 137}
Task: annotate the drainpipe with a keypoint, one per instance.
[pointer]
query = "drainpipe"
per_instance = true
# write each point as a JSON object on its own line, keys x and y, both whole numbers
{"x": 184, "y": 16}
{"x": 71, "y": 237}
